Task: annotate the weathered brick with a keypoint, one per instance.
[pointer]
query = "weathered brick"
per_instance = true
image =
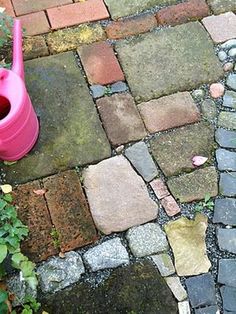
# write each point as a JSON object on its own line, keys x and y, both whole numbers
{"x": 169, "y": 112}
{"x": 170, "y": 205}
{"x": 69, "y": 210}
{"x": 121, "y": 119}
{"x": 33, "y": 212}
{"x": 131, "y": 26}
{"x": 8, "y": 7}
{"x": 35, "y": 47}
{"x": 35, "y": 23}
{"x": 77, "y": 13}
{"x": 160, "y": 189}
{"x": 25, "y": 6}
{"x": 100, "y": 64}
{"x": 71, "y": 38}
{"x": 183, "y": 12}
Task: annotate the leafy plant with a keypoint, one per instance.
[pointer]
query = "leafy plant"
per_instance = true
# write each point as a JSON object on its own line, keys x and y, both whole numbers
{"x": 207, "y": 203}
{"x": 108, "y": 91}
{"x": 55, "y": 237}
{"x": 12, "y": 232}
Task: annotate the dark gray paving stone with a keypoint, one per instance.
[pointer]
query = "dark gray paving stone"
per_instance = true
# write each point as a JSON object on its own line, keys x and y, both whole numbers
{"x": 122, "y": 8}
{"x": 225, "y": 138}
{"x": 142, "y": 161}
{"x": 227, "y": 239}
{"x": 229, "y": 298}
{"x": 229, "y": 99}
{"x": 153, "y": 68}
{"x": 175, "y": 156}
{"x": 201, "y": 290}
{"x": 226, "y": 160}
{"x": 225, "y": 211}
{"x": 221, "y": 6}
{"x": 207, "y": 310}
{"x": 227, "y": 272}
{"x": 138, "y": 288}
{"x": 71, "y": 133}
{"x": 227, "y": 185}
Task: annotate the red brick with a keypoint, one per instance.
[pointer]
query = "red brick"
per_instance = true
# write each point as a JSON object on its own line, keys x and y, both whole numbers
{"x": 33, "y": 212}
{"x": 77, "y": 13}
{"x": 159, "y": 188}
{"x": 131, "y": 26}
{"x": 100, "y": 64}
{"x": 35, "y": 23}
{"x": 170, "y": 205}
{"x": 29, "y": 6}
{"x": 183, "y": 12}
{"x": 69, "y": 210}
{"x": 8, "y": 6}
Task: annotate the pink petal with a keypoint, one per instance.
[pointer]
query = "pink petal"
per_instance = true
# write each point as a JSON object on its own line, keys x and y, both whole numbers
{"x": 199, "y": 160}
{"x": 40, "y": 192}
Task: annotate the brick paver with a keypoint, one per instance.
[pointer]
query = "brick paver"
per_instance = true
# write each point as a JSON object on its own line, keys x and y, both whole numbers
{"x": 8, "y": 6}
{"x": 69, "y": 211}
{"x": 100, "y": 64}
{"x": 77, "y": 13}
{"x": 35, "y": 23}
{"x": 28, "y": 6}
{"x": 183, "y": 12}
{"x": 131, "y": 26}
{"x": 34, "y": 213}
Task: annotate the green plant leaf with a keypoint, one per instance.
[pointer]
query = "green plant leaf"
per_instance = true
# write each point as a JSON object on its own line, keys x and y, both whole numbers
{"x": 3, "y": 252}
{"x": 3, "y": 308}
{"x": 8, "y": 198}
{"x": 3, "y": 296}
{"x": 207, "y": 197}
{"x": 32, "y": 282}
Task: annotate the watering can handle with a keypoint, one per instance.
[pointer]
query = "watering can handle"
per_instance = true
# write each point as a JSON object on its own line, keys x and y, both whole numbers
{"x": 17, "y": 65}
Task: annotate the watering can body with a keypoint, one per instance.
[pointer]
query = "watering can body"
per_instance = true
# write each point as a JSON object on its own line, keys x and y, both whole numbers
{"x": 19, "y": 125}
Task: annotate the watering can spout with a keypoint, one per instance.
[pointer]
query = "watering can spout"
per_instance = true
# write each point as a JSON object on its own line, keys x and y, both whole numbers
{"x": 17, "y": 65}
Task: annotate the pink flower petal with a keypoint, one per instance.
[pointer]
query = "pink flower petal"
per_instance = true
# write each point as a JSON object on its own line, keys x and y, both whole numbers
{"x": 40, "y": 192}
{"x": 199, "y": 160}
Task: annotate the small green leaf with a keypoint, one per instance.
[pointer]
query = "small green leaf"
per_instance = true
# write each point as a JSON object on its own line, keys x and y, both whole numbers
{"x": 3, "y": 296}
{"x": 8, "y": 198}
{"x": 3, "y": 252}
{"x": 3, "y": 308}
{"x": 32, "y": 282}
{"x": 207, "y": 197}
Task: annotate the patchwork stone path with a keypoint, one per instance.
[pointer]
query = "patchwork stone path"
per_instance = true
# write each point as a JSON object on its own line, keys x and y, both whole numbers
{"x": 127, "y": 93}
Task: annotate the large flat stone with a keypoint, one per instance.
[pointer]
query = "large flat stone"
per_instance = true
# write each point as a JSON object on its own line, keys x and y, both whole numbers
{"x": 71, "y": 133}
{"x": 121, "y": 8}
{"x": 221, "y": 6}
{"x": 117, "y": 195}
{"x": 153, "y": 68}
{"x": 138, "y": 288}
{"x": 194, "y": 186}
{"x": 187, "y": 240}
{"x": 173, "y": 151}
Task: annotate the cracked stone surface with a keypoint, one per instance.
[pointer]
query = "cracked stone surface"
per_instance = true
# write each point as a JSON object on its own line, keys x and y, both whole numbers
{"x": 109, "y": 254}
{"x": 187, "y": 240}
{"x": 127, "y": 201}
{"x": 197, "y": 67}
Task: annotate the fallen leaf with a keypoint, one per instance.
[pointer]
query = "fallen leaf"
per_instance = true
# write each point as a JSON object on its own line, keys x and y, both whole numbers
{"x": 9, "y": 163}
{"x": 199, "y": 160}
{"x": 45, "y": 312}
{"x": 2, "y": 9}
{"x": 40, "y": 192}
{"x": 6, "y": 188}
{"x": 62, "y": 255}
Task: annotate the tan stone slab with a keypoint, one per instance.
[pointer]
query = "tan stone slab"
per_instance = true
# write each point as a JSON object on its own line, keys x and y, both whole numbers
{"x": 187, "y": 240}
{"x": 69, "y": 210}
{"x": 169, "y": 112}
{"x": 117, "y": 196}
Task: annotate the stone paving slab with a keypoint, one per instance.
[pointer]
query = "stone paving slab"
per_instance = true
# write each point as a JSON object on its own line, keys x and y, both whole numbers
{"x": 69, "y": 210}
{"x": 225, "y": 211}
{"x": 71, "y": 133}
{"x": 117, "y": 195}
{"x": 138, "y": 288}
{"x": 173, "y": 151}
{"x": 194, "y": 186}
{"x": 122, "y": 8}
{"x": 221, "y": 6}
{"x": 168, "y": 72}
{"x": 33, "y": 212}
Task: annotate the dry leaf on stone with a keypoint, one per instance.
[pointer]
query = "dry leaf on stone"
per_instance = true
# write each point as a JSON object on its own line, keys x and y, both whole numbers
{"x": 199, "y": 160}
{"x": 6, "y": 188}
{"x": 40, "y": 192}
{"x": 2, "y": 9}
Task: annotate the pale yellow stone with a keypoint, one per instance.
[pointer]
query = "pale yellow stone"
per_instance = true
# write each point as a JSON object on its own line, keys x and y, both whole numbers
{"x": 72, "y": 38}
{"x": 187, "y": 240}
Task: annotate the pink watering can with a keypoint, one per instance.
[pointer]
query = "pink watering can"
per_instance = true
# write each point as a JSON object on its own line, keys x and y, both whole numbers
{"x": 19, "y": 127}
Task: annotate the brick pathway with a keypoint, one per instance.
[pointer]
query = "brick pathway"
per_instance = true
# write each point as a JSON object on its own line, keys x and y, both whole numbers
{"x": 127, "y": 93}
